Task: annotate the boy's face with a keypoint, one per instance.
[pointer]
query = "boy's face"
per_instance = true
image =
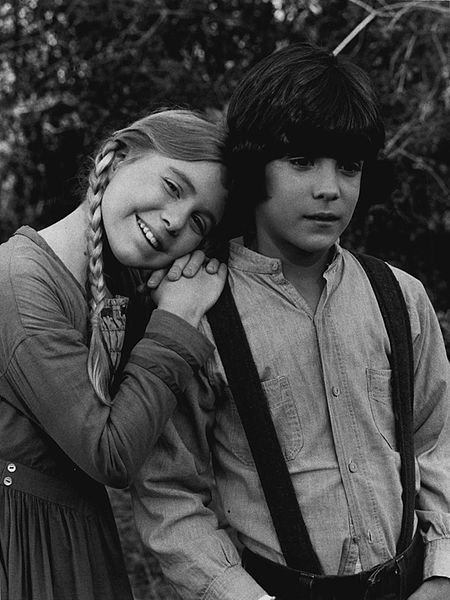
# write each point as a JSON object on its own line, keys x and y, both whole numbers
{"x": 309, "y": 203}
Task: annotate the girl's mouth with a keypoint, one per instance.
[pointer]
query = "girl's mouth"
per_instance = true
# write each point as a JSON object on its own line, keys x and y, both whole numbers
{"x": 148, "y": 234}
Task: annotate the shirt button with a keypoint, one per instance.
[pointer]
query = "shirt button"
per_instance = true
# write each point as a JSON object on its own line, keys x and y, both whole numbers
{"x": 335, "y": 391}
{"x": 7, "y": 481}
{"x": 11, "y": 467}
{"x": 353, "y": 467}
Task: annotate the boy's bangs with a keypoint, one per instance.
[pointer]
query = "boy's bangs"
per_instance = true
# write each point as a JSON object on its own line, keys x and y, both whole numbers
{"x": 313, "y": 141}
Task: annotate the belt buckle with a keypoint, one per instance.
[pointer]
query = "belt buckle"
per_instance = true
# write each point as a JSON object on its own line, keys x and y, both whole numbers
{"x": 307, "y": 580}
{"x": 374, "y": 581}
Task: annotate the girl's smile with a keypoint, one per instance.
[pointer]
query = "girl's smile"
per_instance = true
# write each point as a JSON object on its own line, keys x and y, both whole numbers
{"x": 148, "y": 234}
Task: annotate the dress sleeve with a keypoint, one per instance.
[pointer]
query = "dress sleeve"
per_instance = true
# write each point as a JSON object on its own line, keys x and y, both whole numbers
{"x": 178, "y": 513}
{"x": 44, "y": 366}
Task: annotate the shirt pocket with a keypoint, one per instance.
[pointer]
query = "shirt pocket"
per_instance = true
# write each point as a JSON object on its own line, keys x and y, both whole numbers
{"x": 284, "y": 416}
{"x": 380, "y": 397}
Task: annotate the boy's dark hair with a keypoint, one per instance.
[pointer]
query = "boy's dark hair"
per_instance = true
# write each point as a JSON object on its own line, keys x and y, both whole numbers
{"x": 298, "y": 100}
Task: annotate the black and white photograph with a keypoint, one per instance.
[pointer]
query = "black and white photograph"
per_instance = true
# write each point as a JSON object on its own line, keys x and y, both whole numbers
{"x": 224, "y": 300}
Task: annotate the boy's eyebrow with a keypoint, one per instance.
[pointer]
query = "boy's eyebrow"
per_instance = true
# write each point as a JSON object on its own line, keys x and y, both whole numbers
{"x": 185, "y": 178}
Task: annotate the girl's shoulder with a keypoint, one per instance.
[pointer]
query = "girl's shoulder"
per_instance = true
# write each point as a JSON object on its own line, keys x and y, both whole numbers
{"x": 24, "y": 261}
{"x": 34, "y": 284}
{"x": 26, "y": 256}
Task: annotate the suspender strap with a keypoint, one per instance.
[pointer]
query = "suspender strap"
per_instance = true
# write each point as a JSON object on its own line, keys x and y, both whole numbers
{"x": 244, "y": 382}
{"x": 393, "y": 309}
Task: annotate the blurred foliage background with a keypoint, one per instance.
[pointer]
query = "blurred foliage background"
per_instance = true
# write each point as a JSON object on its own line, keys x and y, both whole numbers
{"x": 71, "y": 71}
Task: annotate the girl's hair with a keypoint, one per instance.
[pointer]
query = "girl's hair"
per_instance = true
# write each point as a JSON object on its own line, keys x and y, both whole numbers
{"x": 298, "y": 100}
{"x": 178, "y": 134}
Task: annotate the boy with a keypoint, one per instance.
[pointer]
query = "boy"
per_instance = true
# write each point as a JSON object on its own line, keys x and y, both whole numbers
{"x": 302, "y": 127}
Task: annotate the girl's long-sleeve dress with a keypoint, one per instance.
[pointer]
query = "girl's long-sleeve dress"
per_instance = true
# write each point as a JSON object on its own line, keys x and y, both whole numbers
{"x": 59, "y": 445}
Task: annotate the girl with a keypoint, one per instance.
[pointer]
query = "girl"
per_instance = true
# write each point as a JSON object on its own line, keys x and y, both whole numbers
{"x": 79, "y": 408}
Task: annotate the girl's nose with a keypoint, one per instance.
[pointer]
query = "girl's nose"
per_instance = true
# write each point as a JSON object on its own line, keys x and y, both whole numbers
{"x": 174, "y": 219}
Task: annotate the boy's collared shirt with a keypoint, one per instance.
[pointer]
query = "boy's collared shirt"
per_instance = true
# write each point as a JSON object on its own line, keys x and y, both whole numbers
{"x": 327, "y": 379}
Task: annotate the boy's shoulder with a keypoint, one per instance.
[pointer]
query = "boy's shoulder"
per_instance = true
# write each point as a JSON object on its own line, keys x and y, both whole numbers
{"x": 412, "y": 288}
{"x": 405, "y": 279}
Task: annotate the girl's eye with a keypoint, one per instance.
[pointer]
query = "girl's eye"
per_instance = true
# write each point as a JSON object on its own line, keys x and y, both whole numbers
{"x": 173, "y": 188}
{"x": 301, "y": 161}
{"x": 199, "y": 225}
{"x": 351, "y": 167}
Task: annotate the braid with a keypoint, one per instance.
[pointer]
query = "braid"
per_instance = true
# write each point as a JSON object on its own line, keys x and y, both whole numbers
{"x": 99, "y": 361}
{"x": 178, "y": 134}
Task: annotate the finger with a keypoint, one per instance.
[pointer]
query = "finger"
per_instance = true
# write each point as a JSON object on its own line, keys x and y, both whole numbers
{"x": 212, "y": 266}
{"x": 156, "y": 277}
{"x": 194, "y": 263}
{"x": 176, "y": 270}
{"x": 222, "y": 272}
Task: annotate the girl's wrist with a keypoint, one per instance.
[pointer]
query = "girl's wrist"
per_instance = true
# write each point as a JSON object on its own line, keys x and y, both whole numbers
{"x": 191, "y": 314}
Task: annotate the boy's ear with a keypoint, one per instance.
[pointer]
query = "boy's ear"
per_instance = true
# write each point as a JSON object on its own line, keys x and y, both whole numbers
{"x": 377, "y": 183}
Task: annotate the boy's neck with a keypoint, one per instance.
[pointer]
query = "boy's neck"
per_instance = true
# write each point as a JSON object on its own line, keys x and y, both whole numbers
{"x": 304, "y": 271}
{"x": 307, "y": 278}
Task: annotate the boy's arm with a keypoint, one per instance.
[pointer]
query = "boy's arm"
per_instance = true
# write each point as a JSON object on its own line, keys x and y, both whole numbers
{"x": 176, "y": 512}
{"x": 432, "y": 433}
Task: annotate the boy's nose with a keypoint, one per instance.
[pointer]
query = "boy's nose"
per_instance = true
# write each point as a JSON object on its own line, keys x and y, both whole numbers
{"x": 326, "y": 186}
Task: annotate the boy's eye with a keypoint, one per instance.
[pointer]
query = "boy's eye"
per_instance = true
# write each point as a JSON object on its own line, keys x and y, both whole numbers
{"x": 199, "y": 225}
{"x": 172, "y": 187}
{"x": 351, "y": 167}
{"x": 301, "y": 161}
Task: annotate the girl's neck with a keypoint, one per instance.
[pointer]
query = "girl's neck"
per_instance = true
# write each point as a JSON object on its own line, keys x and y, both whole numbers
{"x": 67, "y": 239}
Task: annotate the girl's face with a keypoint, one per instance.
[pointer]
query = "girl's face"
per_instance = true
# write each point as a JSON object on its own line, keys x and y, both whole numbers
{"x": 156, "y": 208}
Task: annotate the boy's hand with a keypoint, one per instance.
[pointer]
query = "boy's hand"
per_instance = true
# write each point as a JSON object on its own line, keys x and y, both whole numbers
{"x": 191, "y": 297}
{"x": 435, "y": 588}
{"x": 187, "y": 266}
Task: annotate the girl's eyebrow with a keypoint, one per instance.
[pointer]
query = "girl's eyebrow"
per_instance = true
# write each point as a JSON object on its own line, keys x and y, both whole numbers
{"x": 209, "y": 215}
{"x": 191, "y": 186}
{"x": 185, "y": 178}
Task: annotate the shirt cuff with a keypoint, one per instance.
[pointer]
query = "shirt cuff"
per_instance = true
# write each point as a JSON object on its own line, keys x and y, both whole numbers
{"x": 177, "y": 334}
{"x": 437, "y": 559}
{"x": 234, "y": 583}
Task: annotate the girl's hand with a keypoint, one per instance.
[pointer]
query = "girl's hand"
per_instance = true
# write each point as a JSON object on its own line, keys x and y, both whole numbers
{"x": 191, "y": 297}
{"x": 187, "y": 266}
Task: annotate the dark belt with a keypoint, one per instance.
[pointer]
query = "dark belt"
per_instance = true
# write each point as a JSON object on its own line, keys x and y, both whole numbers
{"x": 395, "y": 579}
{"x": 78, "y": 491}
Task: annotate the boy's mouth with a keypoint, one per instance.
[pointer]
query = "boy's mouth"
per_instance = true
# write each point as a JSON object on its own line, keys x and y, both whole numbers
{"x": 148, "y": 234}
{"x": 324, "y": 217}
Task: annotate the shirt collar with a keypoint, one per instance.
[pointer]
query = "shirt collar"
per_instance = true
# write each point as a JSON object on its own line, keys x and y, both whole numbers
{"x": 244, "y": 259}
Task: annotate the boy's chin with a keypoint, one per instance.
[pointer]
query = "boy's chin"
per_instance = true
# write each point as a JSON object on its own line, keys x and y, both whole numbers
{"x": 316, "y": 249}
